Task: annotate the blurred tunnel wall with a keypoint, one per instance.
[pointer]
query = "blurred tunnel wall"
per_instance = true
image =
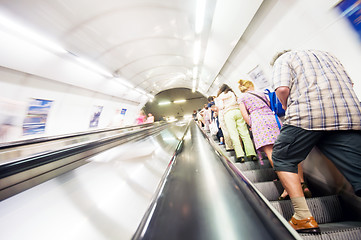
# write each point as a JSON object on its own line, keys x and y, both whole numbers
{"x": 278, "y": 25}
{"x": 71, "y": 110}
{"x": 300, "y": 24}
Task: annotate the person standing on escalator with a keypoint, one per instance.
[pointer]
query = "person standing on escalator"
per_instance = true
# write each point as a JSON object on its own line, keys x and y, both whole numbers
{"x": 322, "y": 110}
{"x": 235, "y": 124}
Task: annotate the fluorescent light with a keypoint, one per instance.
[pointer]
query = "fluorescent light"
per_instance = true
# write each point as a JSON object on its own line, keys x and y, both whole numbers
{"x": 140, "y": 91}
{"x": 180, "y": 101}
{"x": 30, "y": 34}
{"x": 93, "y": 66}
{"x": 197, "y": 52}
{"x": 164, "y": 103}
{"x": 201, "y": 8}
{"x": 195, "y": 72}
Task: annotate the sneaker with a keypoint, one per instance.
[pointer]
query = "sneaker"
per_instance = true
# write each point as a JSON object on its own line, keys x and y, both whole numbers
{"x": 240, "y": 159}
{"x": 252, "y": 157}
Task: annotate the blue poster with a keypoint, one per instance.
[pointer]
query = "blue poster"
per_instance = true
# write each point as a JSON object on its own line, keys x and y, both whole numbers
{"x": 94, "y": 119}
{"x": 124, "y": 110}
{"x": 35, "y": 120}
{"x": 352, "y": 10}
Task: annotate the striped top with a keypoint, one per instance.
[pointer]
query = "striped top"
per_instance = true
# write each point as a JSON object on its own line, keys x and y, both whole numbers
{"x": 321, "y": 93}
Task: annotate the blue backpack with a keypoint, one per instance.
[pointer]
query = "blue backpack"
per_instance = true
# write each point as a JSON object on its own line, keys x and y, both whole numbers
{"x": 275, "y": 105}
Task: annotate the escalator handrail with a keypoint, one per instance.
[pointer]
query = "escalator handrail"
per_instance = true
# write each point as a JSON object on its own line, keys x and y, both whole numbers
{"x": 143, "y": 226}
{"x": 24, "y": 164}
{"x": 252, "y": 192}
{"x": 31, "y": 141}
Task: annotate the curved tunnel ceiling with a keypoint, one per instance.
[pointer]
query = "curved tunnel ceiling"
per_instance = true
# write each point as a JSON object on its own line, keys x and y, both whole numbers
{"x": 150, "y": 43}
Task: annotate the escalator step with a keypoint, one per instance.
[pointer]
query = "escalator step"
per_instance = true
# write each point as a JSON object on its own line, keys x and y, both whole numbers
{"x": 252, "y": 165}
{"x": 336, "y": 231}
{"x": 260, "y": 175}
{"x": 324, "y": 209}
{"x": 271, "y": 190}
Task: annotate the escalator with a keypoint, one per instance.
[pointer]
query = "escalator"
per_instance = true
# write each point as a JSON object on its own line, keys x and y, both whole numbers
{"x": 338, "y": 214}
{"x": 188, "y": 183}
{"x": 201, "y": 197}
{"x": 94, "y": 185}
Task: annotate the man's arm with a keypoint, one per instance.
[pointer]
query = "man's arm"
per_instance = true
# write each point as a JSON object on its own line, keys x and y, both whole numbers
{"x": 282, "y": 94}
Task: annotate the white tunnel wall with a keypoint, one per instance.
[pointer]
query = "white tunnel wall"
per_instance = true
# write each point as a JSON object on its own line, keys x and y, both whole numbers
{"x": 71, "y": 109}
{"x": 279, "y": 24}
{"x": 302, "y": 24}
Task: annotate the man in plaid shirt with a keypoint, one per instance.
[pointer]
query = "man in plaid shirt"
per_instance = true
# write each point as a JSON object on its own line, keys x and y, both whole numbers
{"x": 322, "y": 110}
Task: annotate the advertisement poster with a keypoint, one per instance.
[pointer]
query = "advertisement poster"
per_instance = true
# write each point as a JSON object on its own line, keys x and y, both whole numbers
{"x": 124, "y": 110}
{"x": 94, "y": 120}
{"x": 351, "y": 9}
{"x": 258, "y": 78}
{"x": 35, "y": 120}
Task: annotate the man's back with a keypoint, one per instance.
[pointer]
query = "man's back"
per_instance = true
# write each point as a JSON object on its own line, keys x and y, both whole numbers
{"x": 321, "y": 94}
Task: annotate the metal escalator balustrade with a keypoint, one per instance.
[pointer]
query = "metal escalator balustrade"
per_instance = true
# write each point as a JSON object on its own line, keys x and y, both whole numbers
{"x": 199, "y": 198}
{"x": 11, "y": 151}
{"x": 103, "y": 199}
{"x": 17, "y": 175}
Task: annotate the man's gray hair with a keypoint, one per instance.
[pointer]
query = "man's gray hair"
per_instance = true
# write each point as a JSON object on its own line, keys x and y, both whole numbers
{"x": 279, "y": 54}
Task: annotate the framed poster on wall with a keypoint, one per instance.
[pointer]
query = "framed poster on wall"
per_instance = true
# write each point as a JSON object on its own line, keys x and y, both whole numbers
{"x": 37, "y": 114}
{"x": 94, "y": 119}
{"x": 259, "y": 79}
{"x": 123, "y": 111}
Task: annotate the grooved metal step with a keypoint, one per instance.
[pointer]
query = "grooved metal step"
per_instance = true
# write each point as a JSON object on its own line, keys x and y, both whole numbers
{"x": 252, "y": 165}
{"x": 271, "y": 190}
{"x": 336, "y": 231}
{"x": 260, "y": 175}
{"x": 325, "y": 209}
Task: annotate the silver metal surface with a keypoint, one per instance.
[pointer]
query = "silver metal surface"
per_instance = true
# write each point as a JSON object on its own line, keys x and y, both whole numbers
{"x": 12, "y": 151}
{"x": 201, "y": 199}
{"x": 104, "y": 199}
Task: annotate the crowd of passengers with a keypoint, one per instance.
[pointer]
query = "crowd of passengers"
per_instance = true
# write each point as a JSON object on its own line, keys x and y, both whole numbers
{"x": 322, "y": 110}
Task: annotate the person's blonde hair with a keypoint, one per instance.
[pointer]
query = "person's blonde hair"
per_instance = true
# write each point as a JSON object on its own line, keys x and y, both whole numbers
{"x": 244, "y": 85}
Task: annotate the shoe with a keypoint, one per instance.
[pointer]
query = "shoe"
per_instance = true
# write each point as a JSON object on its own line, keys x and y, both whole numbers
{"x": 253, "y": 157}
{"x": 306, "y": 191}
{"x": 287, "y": 197}
{"x": 229, "y": 150}
{"x": 240, "y": 159}
{"x": 307, "y": 225}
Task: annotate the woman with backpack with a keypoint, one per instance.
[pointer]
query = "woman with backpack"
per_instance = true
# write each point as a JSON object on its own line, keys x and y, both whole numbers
{"x": 256, "y": 111}
{"x": 259, "y": 117}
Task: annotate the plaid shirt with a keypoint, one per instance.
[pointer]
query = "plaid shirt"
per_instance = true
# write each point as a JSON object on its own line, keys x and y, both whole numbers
{"x": 321, "y": 93}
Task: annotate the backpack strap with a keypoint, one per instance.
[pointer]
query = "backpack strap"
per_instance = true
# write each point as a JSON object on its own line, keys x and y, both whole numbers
{"x": 259, "y": 98}
{"x": 277, "y": 119}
